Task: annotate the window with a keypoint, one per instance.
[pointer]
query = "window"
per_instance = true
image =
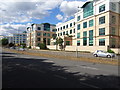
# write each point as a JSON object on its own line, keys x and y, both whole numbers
{"x": 102, "y": 31}
{"x": 47, "y": 27}
{"x": 48, "y": 34}
{"x": 78, "y": 43}
{"x": 85, "y": 38}
{"x": 102, "y": 8}
{"x": 101, "y": 42}
{"x": 74, "y": 30}
{"x": 78, "y": 18}
{"x": 91, "y": 23}
{"x": 85, "y": 25}
{"x": 78, "y": 35}
{"x": 113, "y": 21}
{"x": 67, "y": 42}
{"x": 66, "y": 32}
{"x": 70, "y": 24}
{"x": 66, "y": 26}
{"x": 44, "y": 34}
{"x": 38, "y": 34}
{"x": 63, "y": 33}
{"x": 70, "y": 31}
{"x": 78, "y": 27}
{"x": 85, "y": 34}
{"x": 58, "y": 29}
{"x": 113, "y": 42}
{"x": 63, "y": 27}
{"x": 91, "y": 38}
{"x": 102, "y": 20}
{"x": 39, "y": 28}
{"x": 113, "y": 31}
{"x": 113, "y": 6}
{"x": 38, "y": 39}
{"x": 58, "y": 34}
{"x": 88, "y": 10}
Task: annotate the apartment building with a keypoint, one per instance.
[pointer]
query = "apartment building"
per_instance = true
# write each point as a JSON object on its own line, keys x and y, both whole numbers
{"x": 40, "y": 33}
{"x": 19, "y": 38}
{"x": 96, "y": 27}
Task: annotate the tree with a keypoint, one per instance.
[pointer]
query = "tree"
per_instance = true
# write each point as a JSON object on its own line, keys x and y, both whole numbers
{"x": 4, "y": 41}
{"x": 11, "y": 45}
{"x": 59, "y": 41}
{"x": 42, "y": 46}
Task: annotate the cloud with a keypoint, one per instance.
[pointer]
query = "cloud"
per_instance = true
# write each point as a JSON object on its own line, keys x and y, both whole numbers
{"x": 59, "y": 17}
{"x": 26, "y": 10}
{"x": 69, "y": 8}
{"x": 9, "y": 29}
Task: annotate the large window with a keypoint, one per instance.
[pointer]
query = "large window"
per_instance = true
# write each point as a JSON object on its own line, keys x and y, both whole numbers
{"x": 101, "y": 42}
{"x": 63, "y": 27}
{"x": 39, "y": 28}
{"x": 102, "y": 31}
{"x": 91, "y": 23}
{"x": 85, "y": 38}
{"x": 88, "y": 10}
{"x": 78, "y": 43}
{"x": 102, "y": 20}
{"x": 91, "y": 38}
{"x": 78, "y": 35}
{"x": 47, "y": 27}
{"x": 85, "y": 25}
{"x": 78, "y": 27}
{"x": 78, "y": 18}
{"x": 102, "y": 8}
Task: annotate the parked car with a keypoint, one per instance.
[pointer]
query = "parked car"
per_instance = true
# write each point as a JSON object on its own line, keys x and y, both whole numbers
{"x": 100, "y": 53}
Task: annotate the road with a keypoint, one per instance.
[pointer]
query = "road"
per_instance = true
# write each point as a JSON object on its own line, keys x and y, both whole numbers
{"x": 24, "y": 71}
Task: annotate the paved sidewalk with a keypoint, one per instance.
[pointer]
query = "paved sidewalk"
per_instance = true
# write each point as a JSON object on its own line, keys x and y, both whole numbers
{"x": 70, "y": 54}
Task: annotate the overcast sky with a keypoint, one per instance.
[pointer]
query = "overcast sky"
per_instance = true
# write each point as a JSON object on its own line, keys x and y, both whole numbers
{"x": 16, "y": 15}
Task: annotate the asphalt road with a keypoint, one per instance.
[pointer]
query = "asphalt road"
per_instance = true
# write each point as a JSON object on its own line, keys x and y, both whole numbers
{"x": 24, "y": 71}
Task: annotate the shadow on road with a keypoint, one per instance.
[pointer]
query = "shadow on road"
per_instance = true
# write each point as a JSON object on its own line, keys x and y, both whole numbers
{"x": 36, "y": 73}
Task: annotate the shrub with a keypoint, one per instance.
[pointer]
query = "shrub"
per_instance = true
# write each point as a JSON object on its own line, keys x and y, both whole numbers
{"x": 42, "y": 46}
{"x": 110, "y": 51}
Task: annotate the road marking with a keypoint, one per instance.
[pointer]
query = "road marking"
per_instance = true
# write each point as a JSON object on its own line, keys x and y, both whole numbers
{"x": 61, "y": 77}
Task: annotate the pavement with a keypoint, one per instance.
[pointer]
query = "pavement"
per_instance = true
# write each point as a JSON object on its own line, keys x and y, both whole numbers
{"x": 68, "y": 53}
{"x": 27, "y": 71}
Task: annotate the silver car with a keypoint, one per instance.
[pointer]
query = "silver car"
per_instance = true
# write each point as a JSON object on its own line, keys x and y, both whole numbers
{"x": 100, "y": 53}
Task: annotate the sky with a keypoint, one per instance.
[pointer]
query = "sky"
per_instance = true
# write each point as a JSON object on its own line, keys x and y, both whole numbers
{"x": 17, "y": 15}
